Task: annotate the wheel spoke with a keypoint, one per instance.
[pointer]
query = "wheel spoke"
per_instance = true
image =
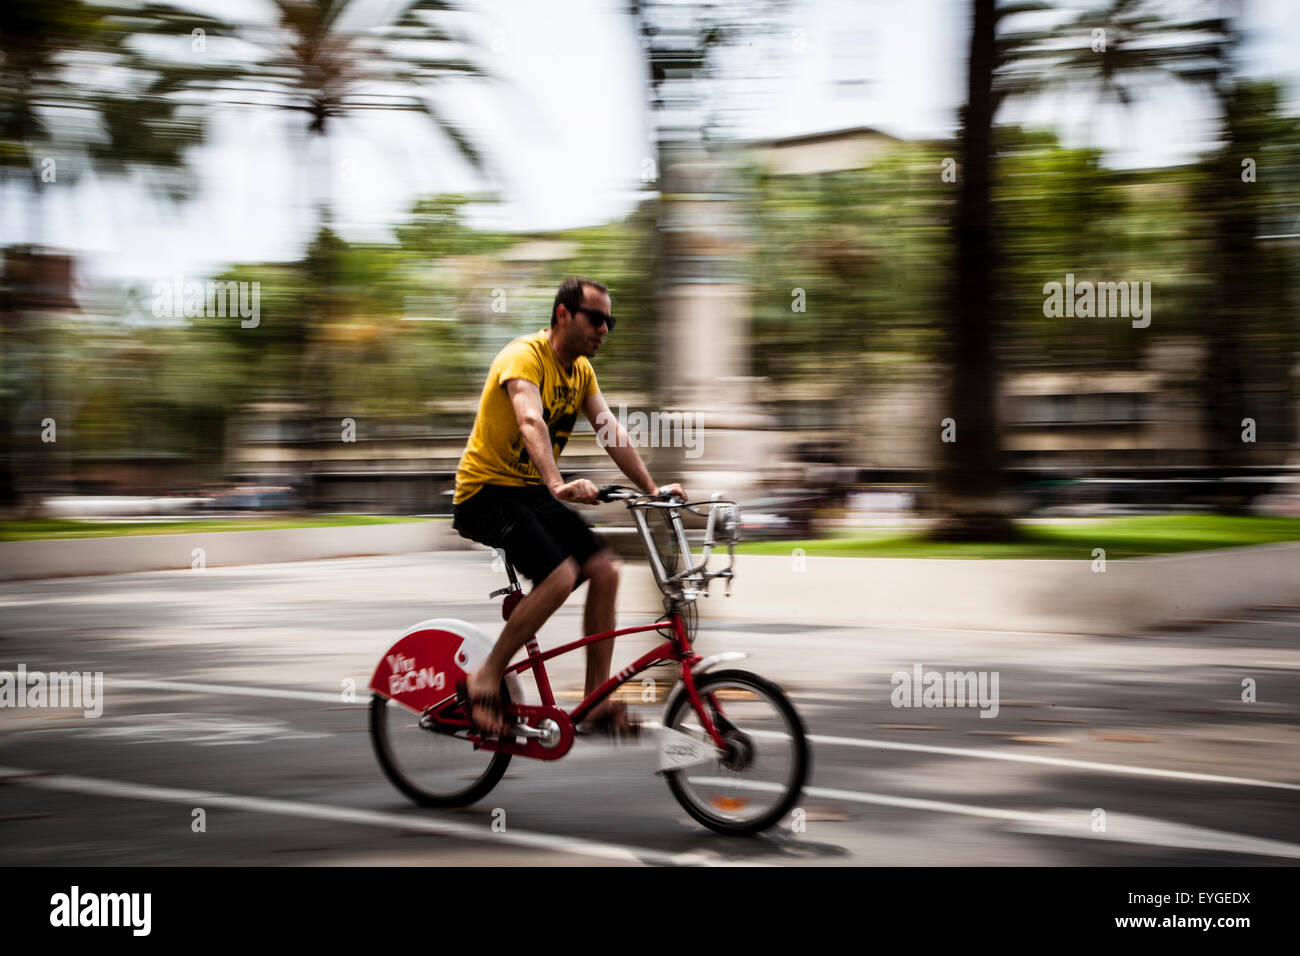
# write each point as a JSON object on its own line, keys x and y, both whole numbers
{"x": 431, "y": 767}
{"x": 753, "y": 784}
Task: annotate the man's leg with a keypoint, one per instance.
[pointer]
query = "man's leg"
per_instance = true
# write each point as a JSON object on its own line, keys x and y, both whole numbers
{"x": 529, "y": 615}
{"x": 601, "y": 572}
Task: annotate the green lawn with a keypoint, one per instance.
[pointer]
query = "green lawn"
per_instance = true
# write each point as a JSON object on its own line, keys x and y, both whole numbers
{"x": 68, "y": 528}
{"x": 1120, "y": 537}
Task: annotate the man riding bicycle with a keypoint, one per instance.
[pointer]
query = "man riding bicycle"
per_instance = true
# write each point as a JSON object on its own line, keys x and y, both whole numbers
{"x": 509, "y": 491}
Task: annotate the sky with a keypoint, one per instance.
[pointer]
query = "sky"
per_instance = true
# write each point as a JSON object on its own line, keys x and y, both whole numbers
{"x": 565, "y": 122}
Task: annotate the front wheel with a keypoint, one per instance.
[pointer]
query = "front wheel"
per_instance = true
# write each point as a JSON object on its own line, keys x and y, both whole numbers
{"x": 759, "y": 778}
{"x": 434, "y": 768}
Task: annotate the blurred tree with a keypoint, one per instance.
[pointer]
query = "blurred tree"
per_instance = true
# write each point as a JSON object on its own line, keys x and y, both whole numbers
{"x": 969, "y": 480}
{"x": 1246, "y": 310}
{"x": 621, "y": 254}
{"x": 79, "y": 92}
{"x": 1249, "y": 319}
{"x": 1059, "y": 210}
{"x": 172, "y": 387}
{"x": 322, "y": 60}
{"x": 1123, "y": 42}
{"x": 866, "y": 247}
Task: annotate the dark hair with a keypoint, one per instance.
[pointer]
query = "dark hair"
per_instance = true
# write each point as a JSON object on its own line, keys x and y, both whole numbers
{"x": 570, "y": 294}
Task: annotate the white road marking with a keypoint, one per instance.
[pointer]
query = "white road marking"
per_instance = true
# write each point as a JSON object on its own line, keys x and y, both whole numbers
{"x": 865, "y": 743}
{"x": 205, "y": 730}
{"x": 1049, "y": 761}
{"x": 1025, "y": 758}
{"x": 1120, "y": 827}
{"x": 235, "y": 689}
{"x": 1124, "y": 828}
{"x": 314, "y": 811}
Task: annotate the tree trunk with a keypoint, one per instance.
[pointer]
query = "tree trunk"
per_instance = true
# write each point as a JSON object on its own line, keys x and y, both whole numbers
{"x": 1230, "y": 318}
{"x": 970, "y": 471}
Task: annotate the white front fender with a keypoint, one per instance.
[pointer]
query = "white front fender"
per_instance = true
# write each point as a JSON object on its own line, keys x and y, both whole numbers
{"x": 714, "y": 659}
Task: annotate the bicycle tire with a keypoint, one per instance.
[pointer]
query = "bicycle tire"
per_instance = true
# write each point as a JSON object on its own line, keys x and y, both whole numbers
{"x": 801, "y": 752}
{"x": 381, "y": 730}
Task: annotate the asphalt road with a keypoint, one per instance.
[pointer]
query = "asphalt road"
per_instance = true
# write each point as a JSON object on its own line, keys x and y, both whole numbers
{"x": 224, "y": 692}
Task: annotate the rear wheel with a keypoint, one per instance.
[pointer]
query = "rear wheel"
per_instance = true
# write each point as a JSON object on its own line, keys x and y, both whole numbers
{"x": 432, "y": 767}
{"x": 759, "y": 778}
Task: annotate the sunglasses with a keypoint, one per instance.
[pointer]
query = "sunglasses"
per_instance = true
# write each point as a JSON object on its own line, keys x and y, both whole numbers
{"x": 595, "y": 317}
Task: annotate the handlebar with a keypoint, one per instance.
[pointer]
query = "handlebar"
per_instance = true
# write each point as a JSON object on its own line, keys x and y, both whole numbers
{"x": 723, "y": 516}
{"x": 624, "y": 493}
{"x": 660, "y": 499}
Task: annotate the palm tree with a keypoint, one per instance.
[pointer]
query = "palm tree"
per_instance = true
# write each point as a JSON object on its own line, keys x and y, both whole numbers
{"x": 969, "y": 479}
{"x": 51, "y": 105}
{"x": 1139, "y": 43}
{"x": 323, "y": 62}
{"x": 1248, "y": 324}
{"x": 1143, "y": 44}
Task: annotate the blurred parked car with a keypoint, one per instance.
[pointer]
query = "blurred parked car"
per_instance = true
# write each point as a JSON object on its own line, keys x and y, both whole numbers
{"x": 122, "y": 506}
{"x": 256, "y": 498}
{"x": 784, "y": 516}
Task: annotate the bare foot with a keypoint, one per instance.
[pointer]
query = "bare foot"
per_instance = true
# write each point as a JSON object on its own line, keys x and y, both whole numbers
{"x": 602, "y": 711}
{"x": 484, "y": 713}
{"x": 613, "y": 718}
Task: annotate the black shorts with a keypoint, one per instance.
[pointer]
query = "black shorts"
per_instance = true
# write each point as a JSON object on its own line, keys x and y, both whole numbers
{"x": 534, "y": 528}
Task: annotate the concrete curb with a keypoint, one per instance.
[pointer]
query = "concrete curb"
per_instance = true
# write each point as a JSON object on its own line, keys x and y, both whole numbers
{"x": 70, "y": 557}
{"x": 1006, "y": 595}
{"x": 1010, "y": 595}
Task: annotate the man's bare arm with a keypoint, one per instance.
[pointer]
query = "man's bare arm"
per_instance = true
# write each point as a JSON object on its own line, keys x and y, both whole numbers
{"x": 527, "y": 402}
{"x": 612, "y": 436}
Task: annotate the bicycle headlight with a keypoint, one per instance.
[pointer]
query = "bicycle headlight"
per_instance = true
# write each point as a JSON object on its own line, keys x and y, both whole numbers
{"x": 730, "y": 524}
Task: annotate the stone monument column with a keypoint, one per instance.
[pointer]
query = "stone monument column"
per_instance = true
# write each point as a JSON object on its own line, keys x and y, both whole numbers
{"x": 704, "y": 377}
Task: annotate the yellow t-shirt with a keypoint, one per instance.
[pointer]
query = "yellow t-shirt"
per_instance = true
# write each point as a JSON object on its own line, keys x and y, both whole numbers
{"x": 495, "y": 453}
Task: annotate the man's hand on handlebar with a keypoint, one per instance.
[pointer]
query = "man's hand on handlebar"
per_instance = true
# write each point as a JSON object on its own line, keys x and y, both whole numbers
{"x": 624, "y": 493}
{"x": 675, "y": 489}
{"x": 580, "y": 490}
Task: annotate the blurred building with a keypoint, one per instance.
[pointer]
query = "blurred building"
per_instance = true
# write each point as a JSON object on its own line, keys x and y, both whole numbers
{"x": 402, "y": 467}
{"x": 830, "y": 151}
{"x": 37, "y": 293}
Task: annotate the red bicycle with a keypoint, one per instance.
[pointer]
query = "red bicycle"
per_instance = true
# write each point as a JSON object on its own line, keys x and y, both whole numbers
{"x": 732, "y": 748}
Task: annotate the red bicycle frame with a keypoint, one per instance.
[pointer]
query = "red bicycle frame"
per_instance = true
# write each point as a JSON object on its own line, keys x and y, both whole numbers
{"x": 677, "y": 649}
{"x": 551, "y": 724}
